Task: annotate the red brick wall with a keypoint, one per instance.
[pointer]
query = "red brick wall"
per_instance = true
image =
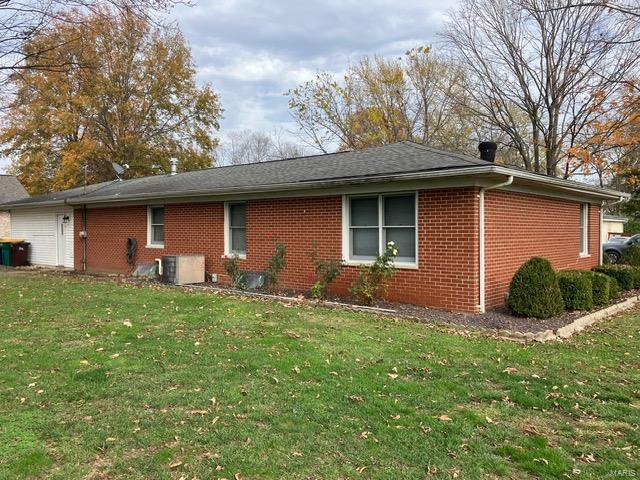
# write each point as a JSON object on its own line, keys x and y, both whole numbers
{"x": 447, "y": 250}
{"x": 520, "y": 226}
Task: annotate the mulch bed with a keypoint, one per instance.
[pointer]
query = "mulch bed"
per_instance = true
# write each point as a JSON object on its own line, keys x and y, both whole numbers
{"x": 498, "y": 319}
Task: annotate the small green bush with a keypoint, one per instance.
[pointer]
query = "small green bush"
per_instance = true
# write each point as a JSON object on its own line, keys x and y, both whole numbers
{"x": 624, "y": 274}
{"x": 614, "y": 289}
{"x": 325, "y": 271}
{"x": 275, "y": 265}
{"x": 632, "y": 256}
{"x": 368, "y": 285}
{"x": 237, "y": 276}
{"x": 577, "y": 289}
{"x": 534, "y": 290}
{"x": 601, "y": 288}
{"x": 635, "y": 275}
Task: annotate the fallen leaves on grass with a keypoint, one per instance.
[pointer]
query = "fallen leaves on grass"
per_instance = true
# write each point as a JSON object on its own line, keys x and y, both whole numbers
{"x": 445, "y": 418}
{"x": 587, "y": 458}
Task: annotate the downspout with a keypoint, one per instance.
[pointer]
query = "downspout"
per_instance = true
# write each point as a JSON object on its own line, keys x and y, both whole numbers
{"x": 481, "y": 241}
{"x": 602, "y": 207}
{"x": 85, "y": 234}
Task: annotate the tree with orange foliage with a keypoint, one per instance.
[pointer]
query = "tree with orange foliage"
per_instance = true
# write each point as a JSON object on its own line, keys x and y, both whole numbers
{"x": 128, "y": 95}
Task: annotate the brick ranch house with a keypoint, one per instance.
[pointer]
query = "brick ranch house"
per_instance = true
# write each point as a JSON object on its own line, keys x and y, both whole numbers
{"x": 462, "y": 225}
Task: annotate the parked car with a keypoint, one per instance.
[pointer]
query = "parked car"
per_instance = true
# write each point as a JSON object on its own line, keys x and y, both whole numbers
{"x": 616, "y": 246}
{"x": 618, "y": 239}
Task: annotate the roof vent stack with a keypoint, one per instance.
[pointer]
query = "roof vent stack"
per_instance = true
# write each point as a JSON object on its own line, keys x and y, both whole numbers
{"x": 174, "y": 165}
{"x": 488, "y": 151}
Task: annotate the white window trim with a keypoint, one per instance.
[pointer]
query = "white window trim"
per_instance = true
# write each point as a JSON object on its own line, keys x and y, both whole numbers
{"x": 584, "y": 232}
{"x": 150, "y": 244}
{"x": 227, "y": 233}
{"x": 346, "y": 234}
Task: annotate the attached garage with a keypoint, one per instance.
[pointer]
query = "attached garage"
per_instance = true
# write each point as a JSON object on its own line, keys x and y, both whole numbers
{"x": 50, "y": 233}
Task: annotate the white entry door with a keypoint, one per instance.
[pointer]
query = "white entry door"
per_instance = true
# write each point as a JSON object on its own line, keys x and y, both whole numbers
{"x": 60, "y": 239}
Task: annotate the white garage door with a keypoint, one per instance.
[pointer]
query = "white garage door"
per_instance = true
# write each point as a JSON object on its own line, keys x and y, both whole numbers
{"x": 50, "y": 233}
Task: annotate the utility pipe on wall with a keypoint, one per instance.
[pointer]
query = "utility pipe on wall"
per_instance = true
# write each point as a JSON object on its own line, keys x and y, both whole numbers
{"x": 481, "y": 241}
{"x": 84, "y": 234}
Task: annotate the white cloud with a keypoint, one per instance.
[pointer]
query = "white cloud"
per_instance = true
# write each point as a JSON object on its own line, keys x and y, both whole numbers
{"x": 253, "y": 51}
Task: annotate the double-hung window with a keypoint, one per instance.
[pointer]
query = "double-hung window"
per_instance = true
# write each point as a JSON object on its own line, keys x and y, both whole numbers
{"x": 584, "y": 229}
{"x": 155, "y": 227}
{"x": 374, "y": 220}
{"x": 236, "y": 235}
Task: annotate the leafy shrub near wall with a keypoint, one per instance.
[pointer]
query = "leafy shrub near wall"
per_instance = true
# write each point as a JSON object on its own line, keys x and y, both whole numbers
{"x": 601, "y": 288}
{"x": 614, "y": 289}
{"x": 534, "y": 290}
{"x": 635, "y": 275}
{"x": 275, "y": 265}
{"x": 237, "y": 276}
{"x": 625, "y": 275}
{"x": 368, "y": 285}
{"x": 325, "y": 271}
{"x": 577, "y": 289}
{"x": 632, "y": 256}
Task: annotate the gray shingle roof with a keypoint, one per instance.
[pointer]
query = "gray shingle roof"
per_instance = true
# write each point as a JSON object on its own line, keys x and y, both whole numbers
{"x": 11, "y": 189}
{"x": 317, "y": 170}
{"x": 55, "y": 198}
{"x": 396, "y": 158}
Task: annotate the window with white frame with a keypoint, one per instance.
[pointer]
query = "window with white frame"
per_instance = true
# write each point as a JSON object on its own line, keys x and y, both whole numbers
{"x": 374, "y": 220}
{"x": 155, "y": 230}
{"x": 584, "y": 229}
{"x": 236, "y": 237}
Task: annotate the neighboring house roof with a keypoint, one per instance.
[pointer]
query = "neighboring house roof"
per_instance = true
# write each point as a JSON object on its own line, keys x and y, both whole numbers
{"x": 398, "y": 161}
{"x": 11, "y": 189}
{"x": 615, "y": 218}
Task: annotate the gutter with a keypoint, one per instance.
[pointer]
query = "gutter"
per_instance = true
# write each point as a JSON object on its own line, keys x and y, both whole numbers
{"x": 481, "y": 240}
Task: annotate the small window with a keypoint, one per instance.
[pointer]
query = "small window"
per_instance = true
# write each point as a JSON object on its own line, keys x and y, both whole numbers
{"x": 363, "y": 228}
{"x": 237, "y": 233}
{"x": 156, "y": 226}
{"x": 400, "y": 226}
{"x": 374, "y": 221}
{"x": 584, "y": 229}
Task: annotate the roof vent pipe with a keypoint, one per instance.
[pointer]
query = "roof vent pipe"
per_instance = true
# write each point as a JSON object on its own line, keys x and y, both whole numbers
{"x": 174, "y": 165}
{"x": 488, "y": 151}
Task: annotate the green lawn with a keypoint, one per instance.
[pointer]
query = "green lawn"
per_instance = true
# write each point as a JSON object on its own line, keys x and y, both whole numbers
{"x": 105, "y": 380}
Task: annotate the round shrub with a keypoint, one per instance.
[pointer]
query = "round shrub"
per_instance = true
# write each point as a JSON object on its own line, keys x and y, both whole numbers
{"x": 614, "y": 289}
{"x": 576, "y": 288}
{"x": 534, "y": 290}
{"x": 632, "y": 255}
{"x": 623, "y": 274}
{"x": 635, "y": 274}
{"x": 601, "y": 288}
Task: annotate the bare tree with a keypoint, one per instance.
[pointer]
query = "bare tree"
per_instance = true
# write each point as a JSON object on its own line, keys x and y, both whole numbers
{"x": 248, "y": 146}
{"x": 539, "y": 72}
{"x": 382, "y": 100}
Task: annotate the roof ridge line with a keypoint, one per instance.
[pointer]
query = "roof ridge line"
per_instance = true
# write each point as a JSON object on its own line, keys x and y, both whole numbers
{"x": 461, "y": 156}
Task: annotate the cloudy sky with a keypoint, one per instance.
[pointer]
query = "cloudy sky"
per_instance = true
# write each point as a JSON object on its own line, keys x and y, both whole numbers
{"x": 253, "y": 51}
